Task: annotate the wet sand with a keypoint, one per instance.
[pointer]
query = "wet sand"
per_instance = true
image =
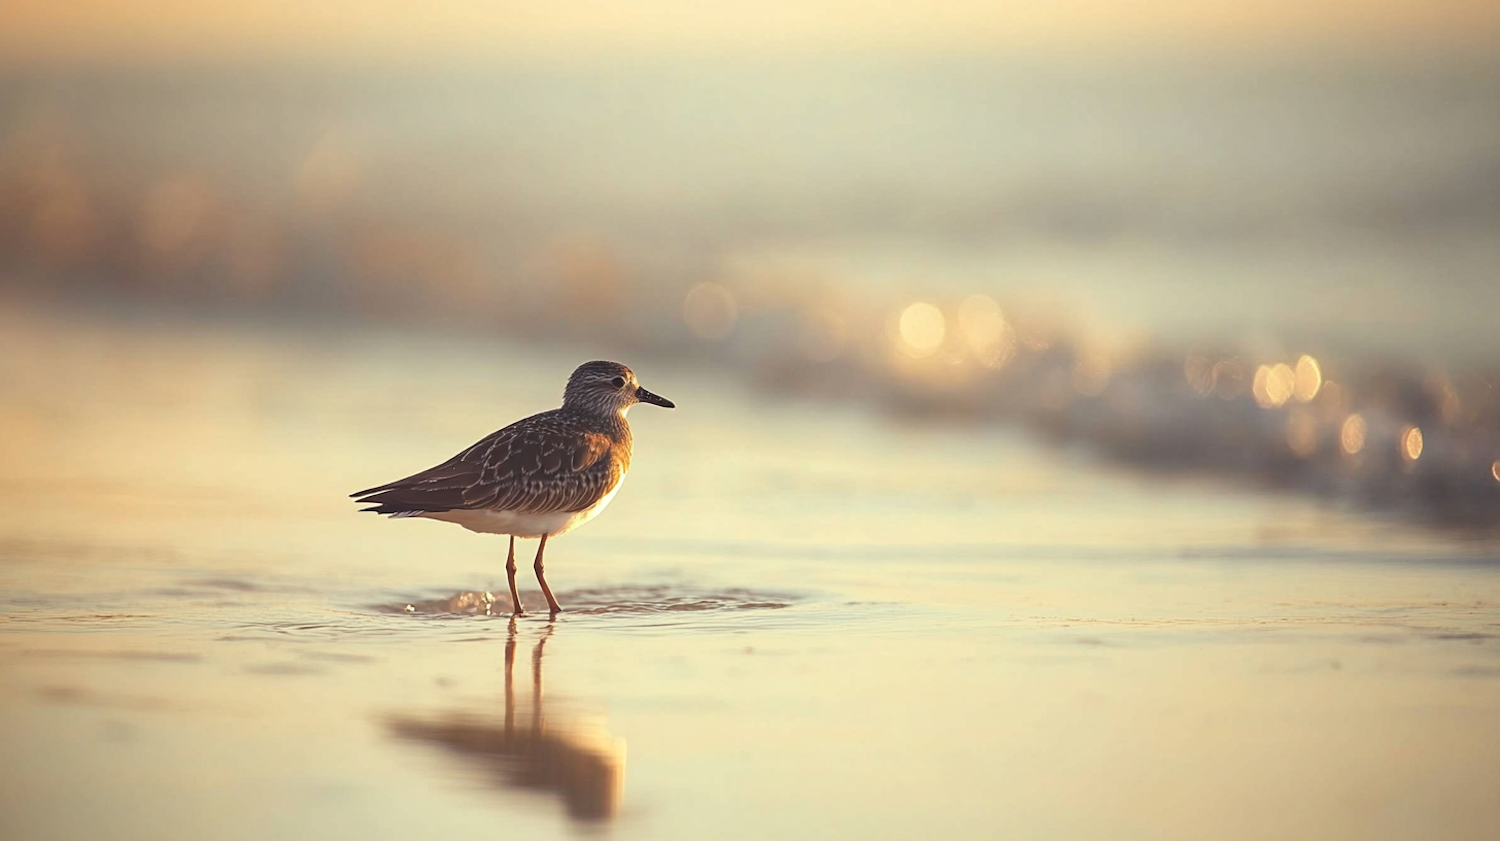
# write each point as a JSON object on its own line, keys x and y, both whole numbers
{"x": 838, "y": 628}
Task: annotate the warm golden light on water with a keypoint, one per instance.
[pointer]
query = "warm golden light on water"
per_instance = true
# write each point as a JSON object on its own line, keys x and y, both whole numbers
{"x": 201, "y": 591}
{"x": 922, "y": 328}
{"x": 1352, "y": 434}
{"x": 1309, "y": 378}
{"x": 1411, "y": 443}
{"x": 710, "y": 311}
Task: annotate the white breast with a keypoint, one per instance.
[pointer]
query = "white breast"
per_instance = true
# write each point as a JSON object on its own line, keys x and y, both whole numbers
{"x": 518, "y": 524}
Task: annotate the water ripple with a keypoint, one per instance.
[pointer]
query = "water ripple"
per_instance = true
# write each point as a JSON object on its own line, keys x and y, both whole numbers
{"x": 627, "y": 601}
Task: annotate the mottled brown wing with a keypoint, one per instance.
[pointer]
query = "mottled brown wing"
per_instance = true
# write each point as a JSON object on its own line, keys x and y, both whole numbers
{"x": 539, "y": 465}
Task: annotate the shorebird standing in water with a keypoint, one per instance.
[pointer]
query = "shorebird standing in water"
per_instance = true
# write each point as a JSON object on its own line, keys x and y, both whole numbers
{"x": 539, "y": 477}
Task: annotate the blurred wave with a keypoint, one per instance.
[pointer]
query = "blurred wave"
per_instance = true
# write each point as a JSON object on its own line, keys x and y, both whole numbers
{"x": 1276, "y": 269}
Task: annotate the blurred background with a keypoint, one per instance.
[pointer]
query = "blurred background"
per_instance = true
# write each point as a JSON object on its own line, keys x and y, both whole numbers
{"x": 1261, "y": 240}
{"x": 1078, "y": 400}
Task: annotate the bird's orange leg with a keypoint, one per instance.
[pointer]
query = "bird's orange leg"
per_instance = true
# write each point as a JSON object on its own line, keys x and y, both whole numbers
{"x": 541, "y": 578}
{"x": 510, "y": 573}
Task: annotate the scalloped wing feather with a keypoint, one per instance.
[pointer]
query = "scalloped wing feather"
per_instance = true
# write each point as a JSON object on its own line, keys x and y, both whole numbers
{"x": 543, "y": 464}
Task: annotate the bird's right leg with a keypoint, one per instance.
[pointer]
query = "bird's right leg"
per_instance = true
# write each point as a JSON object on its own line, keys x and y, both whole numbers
{"x": 510, "y": 574}
{"x": 541, "y": 578}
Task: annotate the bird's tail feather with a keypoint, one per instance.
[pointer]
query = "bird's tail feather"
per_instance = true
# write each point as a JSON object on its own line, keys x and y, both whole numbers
{"x": 396, "y": 510}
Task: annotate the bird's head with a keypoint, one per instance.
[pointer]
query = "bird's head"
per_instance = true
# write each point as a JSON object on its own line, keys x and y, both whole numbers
{"x": 607, "y": 388}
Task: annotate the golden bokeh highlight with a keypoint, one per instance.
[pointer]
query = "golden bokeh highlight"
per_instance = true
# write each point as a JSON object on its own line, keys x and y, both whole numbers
{"x": 710, "y": 311}
{"x": 1199, "y": 373}
{"x": 1495, "y": 470}
{"x": 1273, "y": 385}
{"x": 1281, "y": 383}
{"x": 922, "y": 329}
{"x": 1309, "y": 379}
{"x": 1352, "y": 434}
{"x": 1411, "y": 443}
{"x": 990, "y": 338}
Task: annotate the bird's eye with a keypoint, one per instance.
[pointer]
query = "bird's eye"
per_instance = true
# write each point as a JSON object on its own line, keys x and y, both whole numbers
{"x": 619, "y": 382}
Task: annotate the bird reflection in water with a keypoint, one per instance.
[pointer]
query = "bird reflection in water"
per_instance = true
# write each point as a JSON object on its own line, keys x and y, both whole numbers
{"x": 566, "y": 755}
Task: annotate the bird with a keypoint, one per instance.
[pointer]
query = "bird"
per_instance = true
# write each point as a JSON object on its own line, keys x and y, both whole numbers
{"x": 540, "y": 477}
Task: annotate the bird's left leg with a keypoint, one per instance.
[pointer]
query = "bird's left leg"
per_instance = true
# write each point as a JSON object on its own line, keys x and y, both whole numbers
{"x": 510, "y": 573}
{"x": 541, "y": 577}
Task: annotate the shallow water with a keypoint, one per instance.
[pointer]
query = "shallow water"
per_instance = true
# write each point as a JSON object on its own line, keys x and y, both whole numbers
{"x": 796, "y": 620}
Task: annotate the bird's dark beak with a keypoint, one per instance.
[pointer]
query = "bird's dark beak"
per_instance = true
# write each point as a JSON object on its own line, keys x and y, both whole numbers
{"x": 654, "y": 399}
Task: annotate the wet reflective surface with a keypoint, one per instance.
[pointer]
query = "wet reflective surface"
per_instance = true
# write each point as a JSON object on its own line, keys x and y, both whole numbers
{"x": 584, "y": 765}
{"x": 835, "y": 628}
